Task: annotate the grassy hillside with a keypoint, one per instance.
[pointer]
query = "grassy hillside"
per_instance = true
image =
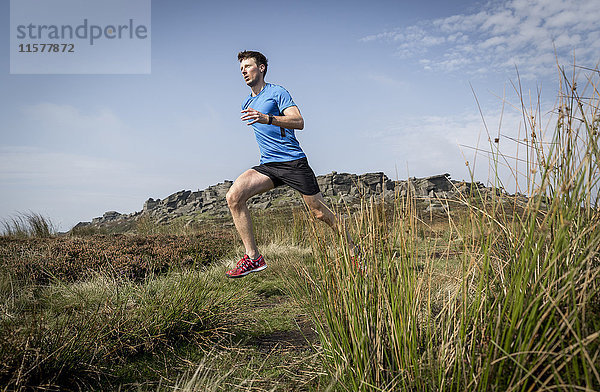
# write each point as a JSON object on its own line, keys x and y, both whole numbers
{"x": 69, "y": 323}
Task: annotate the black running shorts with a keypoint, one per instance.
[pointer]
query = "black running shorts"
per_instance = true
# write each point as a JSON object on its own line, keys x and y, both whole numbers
{"x": 297, "y": 174}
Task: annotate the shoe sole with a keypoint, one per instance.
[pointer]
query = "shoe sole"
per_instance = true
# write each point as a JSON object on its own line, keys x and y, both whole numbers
{"x": 246, "y": 273}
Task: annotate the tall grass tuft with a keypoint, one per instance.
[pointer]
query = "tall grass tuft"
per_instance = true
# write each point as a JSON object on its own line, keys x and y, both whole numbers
{"x": 28, "y": 224}
{"x": 287, "y": 226}
{"x": 513, "y": 306}
{"x": 70, "y": 335}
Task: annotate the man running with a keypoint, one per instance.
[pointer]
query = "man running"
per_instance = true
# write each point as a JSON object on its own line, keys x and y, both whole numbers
{"x": 274, "y": 116}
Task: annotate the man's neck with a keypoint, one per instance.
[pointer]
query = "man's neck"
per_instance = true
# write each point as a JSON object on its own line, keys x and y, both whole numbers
{"x": 257, "y": 88}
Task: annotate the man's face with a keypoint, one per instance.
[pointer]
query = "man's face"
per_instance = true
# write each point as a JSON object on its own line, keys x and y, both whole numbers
{"x": 251, "y": 72}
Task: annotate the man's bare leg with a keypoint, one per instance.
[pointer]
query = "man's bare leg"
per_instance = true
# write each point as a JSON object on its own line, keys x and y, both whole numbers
{"x": 248, "y": 184}
{"x": 317, "y": 205}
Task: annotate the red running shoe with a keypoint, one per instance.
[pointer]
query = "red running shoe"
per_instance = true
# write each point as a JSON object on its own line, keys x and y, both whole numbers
{"x": 247, "y": 265}
{"x": 358, "y": 261}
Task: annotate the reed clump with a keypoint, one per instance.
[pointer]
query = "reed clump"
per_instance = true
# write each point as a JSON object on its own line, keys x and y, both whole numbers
{"x": 28, "y": 225}
{"x": 506, "y": 299}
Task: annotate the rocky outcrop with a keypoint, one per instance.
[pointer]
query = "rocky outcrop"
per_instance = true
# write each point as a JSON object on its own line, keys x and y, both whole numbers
{"x": 336, "y": 188}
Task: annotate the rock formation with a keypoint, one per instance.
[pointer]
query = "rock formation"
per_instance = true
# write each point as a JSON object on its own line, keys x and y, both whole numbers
{"x": 336, "y": 188}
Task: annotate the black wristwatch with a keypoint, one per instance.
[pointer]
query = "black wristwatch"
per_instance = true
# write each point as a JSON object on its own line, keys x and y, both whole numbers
{"x": 270, "y": 119}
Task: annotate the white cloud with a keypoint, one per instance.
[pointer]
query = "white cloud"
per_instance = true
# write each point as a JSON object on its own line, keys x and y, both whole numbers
{"x": 387, "y": 81}
{"x": 437, "y": 144}
{"x": 72, "y": 187}
{"x": 524, "y": 33}
{"x": 69, "y": 126}
{"x": 36, "y": 165}
{"x": 69, "y": 116}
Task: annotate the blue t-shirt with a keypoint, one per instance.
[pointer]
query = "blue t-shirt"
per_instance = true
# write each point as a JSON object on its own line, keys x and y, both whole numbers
{"x": 274, "y": 99}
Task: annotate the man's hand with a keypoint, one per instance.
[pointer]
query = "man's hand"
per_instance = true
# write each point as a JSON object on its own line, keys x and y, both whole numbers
{"x": 254, "y": 116}
{"x": 291, "y": 119}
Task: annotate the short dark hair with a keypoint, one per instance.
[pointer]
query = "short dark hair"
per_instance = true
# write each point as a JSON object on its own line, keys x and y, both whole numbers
{"x": 258, "y": 57}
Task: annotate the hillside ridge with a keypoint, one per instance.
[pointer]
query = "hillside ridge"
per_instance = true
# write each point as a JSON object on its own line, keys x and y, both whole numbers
{"x": 336, "y": 187}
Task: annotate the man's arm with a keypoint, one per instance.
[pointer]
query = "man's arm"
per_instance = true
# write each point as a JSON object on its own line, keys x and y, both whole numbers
{"x": 291, "y": 119}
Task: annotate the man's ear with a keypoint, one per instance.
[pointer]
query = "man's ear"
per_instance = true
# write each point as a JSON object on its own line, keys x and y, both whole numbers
{"x": 262, "y": 68}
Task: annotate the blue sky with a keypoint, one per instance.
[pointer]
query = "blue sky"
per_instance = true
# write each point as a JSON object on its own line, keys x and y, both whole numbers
{"x": 382, "y": 85}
